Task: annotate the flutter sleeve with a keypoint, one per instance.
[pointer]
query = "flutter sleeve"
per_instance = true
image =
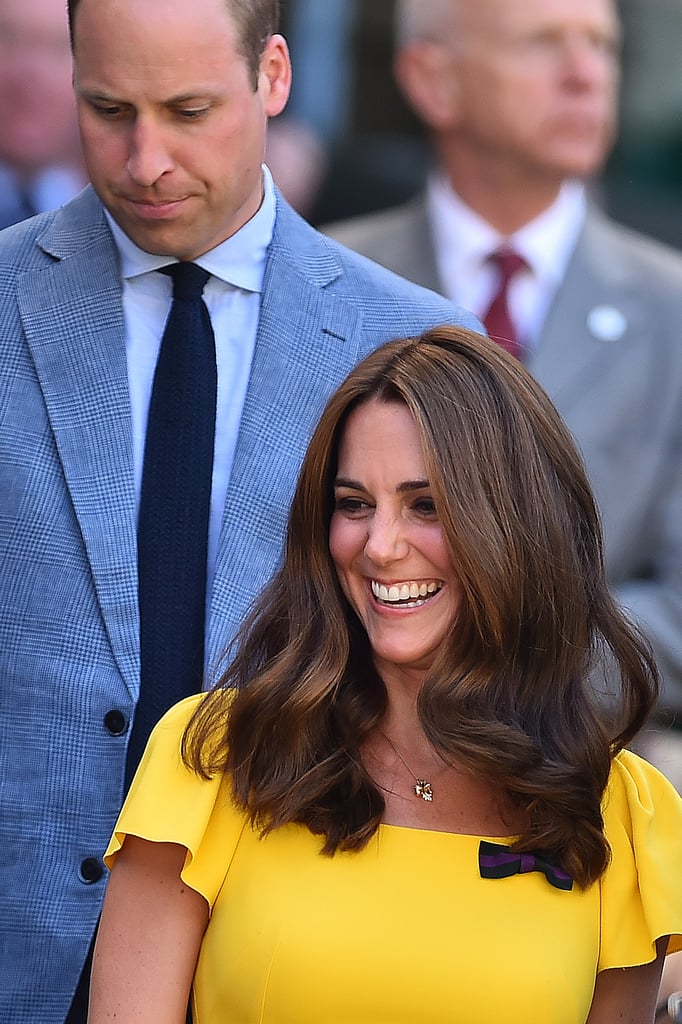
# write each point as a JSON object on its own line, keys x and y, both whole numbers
{"x": 641, "y": 891}
{"x": 169, "y": 803}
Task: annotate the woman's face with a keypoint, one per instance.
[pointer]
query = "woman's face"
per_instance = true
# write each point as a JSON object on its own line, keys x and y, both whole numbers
{"x": 387, "y": 542}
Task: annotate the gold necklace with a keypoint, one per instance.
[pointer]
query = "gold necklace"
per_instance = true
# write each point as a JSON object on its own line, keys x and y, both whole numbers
{"x": 422, "y": 787}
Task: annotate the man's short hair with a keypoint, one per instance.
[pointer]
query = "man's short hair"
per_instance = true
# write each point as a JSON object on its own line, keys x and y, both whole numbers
{"x": 422, "y": 19}
{"x": 256, "y": 21}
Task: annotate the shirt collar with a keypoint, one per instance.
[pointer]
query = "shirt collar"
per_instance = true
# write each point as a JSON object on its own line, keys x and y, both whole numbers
{"x": 546, "y": 243}
{"x": 238, "y": 261}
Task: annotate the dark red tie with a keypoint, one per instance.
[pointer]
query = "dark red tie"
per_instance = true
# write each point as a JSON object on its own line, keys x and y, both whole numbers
{"x": 497, "y": 320}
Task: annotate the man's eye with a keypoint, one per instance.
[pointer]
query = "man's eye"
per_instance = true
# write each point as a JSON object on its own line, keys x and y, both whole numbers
{"x": 192, "y": 114}
{"x": 107, "y": 110}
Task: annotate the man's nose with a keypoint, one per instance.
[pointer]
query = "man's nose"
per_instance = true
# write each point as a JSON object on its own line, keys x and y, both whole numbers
{"x": 589, "y": 61}
{"x": 149, "y": 157}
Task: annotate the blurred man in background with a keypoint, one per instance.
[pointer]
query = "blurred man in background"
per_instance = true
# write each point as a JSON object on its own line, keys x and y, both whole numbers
{"x": 40, "y": 163}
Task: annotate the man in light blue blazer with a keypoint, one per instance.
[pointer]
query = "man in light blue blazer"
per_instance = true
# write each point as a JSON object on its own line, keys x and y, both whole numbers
{"x": 520, "y": 103}
{"x": 173, "y": 128}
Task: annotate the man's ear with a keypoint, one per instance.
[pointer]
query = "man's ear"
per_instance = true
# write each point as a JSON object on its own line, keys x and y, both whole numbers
{"x": 426, "y": 73}
{"x": 274, "y": 75}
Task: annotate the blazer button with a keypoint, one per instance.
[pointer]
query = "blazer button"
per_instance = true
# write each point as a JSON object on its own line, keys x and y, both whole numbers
{"x": 115, "y": 722}
{"x": 91, "y": 870}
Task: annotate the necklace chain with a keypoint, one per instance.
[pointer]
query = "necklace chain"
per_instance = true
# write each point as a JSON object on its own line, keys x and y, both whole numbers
{"x": 422, "y": 787}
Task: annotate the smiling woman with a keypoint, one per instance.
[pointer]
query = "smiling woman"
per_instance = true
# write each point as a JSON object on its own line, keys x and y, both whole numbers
{"x": 388, "y": 547}
{"x": 411, "y": 707}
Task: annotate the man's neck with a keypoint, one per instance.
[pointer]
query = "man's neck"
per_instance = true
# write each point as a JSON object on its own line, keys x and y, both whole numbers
{"x": 506, "y": 199}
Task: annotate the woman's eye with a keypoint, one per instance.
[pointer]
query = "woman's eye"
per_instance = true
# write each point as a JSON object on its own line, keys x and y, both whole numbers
{"x": 351, "y": 506}
{"x": 425, "y": 507}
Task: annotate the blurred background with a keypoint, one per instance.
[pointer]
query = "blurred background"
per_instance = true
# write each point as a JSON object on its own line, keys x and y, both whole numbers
{"x": 348, "y": 144}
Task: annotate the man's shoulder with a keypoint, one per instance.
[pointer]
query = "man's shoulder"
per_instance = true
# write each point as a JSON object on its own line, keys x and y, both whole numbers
{"x": 363, "y": 281}
{"x": 623, "y": 252}
{"x": 57, "y": 233}
{"x": 355, "y": 233}
{"x": 22, "y": 235}
{"x": 389, "y": 295}
{"x": 376, "y": 235}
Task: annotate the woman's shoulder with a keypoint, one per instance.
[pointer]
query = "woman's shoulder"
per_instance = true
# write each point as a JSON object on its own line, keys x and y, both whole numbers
{"x": 171, "y": 727}
{"x": 640, "y": 801}
{"x": 642, "y": 886}
{"x": 177, "y": 717}
{"x": 639, "y": 786}
{"x": 169, "y": 802}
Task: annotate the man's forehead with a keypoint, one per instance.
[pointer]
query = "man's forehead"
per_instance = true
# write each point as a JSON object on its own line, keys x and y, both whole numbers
{"x": 499, "y": 14}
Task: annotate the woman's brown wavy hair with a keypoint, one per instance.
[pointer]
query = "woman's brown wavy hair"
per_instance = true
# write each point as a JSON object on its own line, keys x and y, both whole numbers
{"x": 512, "y": 693}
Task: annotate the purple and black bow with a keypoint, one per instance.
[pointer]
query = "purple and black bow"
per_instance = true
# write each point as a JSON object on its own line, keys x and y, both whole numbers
{"x": 498, "y": 861}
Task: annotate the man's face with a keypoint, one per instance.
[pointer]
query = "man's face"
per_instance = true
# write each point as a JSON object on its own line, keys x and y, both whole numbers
{"x": 173, "y": 132}
{"x": 37, "y": 110}
{"x": 537, "y": 83}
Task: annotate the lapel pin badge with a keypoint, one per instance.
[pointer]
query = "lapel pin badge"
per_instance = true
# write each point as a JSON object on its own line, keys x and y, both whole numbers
{"x": 606, "y": 323}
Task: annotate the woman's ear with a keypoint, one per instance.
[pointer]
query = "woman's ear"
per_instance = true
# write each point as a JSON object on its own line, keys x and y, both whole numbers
{"x": 274, "y": 75}
{"x": 427, "y": 75}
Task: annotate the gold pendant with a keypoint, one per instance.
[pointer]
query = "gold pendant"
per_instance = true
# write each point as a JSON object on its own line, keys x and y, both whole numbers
{"x": 423, "y": 789}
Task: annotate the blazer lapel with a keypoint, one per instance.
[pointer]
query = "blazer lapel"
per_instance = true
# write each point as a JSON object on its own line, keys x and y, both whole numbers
{"x": 306, "y": 344}
{"x": 415, "y": 258}
{"x": 73, "y": 320}
{"x": 592, "y": 315}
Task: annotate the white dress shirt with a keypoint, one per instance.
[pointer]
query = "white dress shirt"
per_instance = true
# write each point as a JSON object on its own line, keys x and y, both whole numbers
{"x": 232, "y": 296}
{"x": 463, "y": 241}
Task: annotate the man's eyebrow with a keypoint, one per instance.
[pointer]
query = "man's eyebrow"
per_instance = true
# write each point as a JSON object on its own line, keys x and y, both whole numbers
{"x": 96, "y": 93}
{"x": 189, "y": 97}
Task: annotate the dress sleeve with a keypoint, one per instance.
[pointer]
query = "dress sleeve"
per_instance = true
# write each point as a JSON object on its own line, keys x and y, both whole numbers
{"x": 169, "y": 803}
{"x": 641, "y": 890}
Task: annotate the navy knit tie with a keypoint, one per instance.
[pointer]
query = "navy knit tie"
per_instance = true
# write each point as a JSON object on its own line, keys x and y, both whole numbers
{"x": 172, "y": 533}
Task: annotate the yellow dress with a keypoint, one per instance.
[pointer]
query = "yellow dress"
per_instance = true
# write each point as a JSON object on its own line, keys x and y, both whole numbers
{"x": 406, "y": 931}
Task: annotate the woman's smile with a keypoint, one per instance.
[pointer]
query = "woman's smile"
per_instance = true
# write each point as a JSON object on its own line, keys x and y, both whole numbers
{"x": 405, "y": 595}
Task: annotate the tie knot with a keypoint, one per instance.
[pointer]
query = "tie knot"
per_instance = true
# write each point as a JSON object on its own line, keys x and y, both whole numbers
{"x": 188, "y": 280}
{"x": 508, "y": 263}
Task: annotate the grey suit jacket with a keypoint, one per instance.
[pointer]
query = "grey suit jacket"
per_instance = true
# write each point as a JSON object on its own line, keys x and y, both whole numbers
{"x": 610, "y": 357}
{"x": 69, "y": 642}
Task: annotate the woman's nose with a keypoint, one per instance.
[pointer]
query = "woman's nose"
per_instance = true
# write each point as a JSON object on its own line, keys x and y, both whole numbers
{"x": 386, "y": 540}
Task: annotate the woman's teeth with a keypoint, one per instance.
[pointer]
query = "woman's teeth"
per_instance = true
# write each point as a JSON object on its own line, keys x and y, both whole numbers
{"x": 404, "y": 591}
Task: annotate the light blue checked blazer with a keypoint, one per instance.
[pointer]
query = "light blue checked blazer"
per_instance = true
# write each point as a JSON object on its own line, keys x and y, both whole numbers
{"x": 68, "y": 588}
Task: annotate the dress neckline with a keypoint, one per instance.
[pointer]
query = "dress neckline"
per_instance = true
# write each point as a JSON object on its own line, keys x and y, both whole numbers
{"x": 446, "y": 832}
